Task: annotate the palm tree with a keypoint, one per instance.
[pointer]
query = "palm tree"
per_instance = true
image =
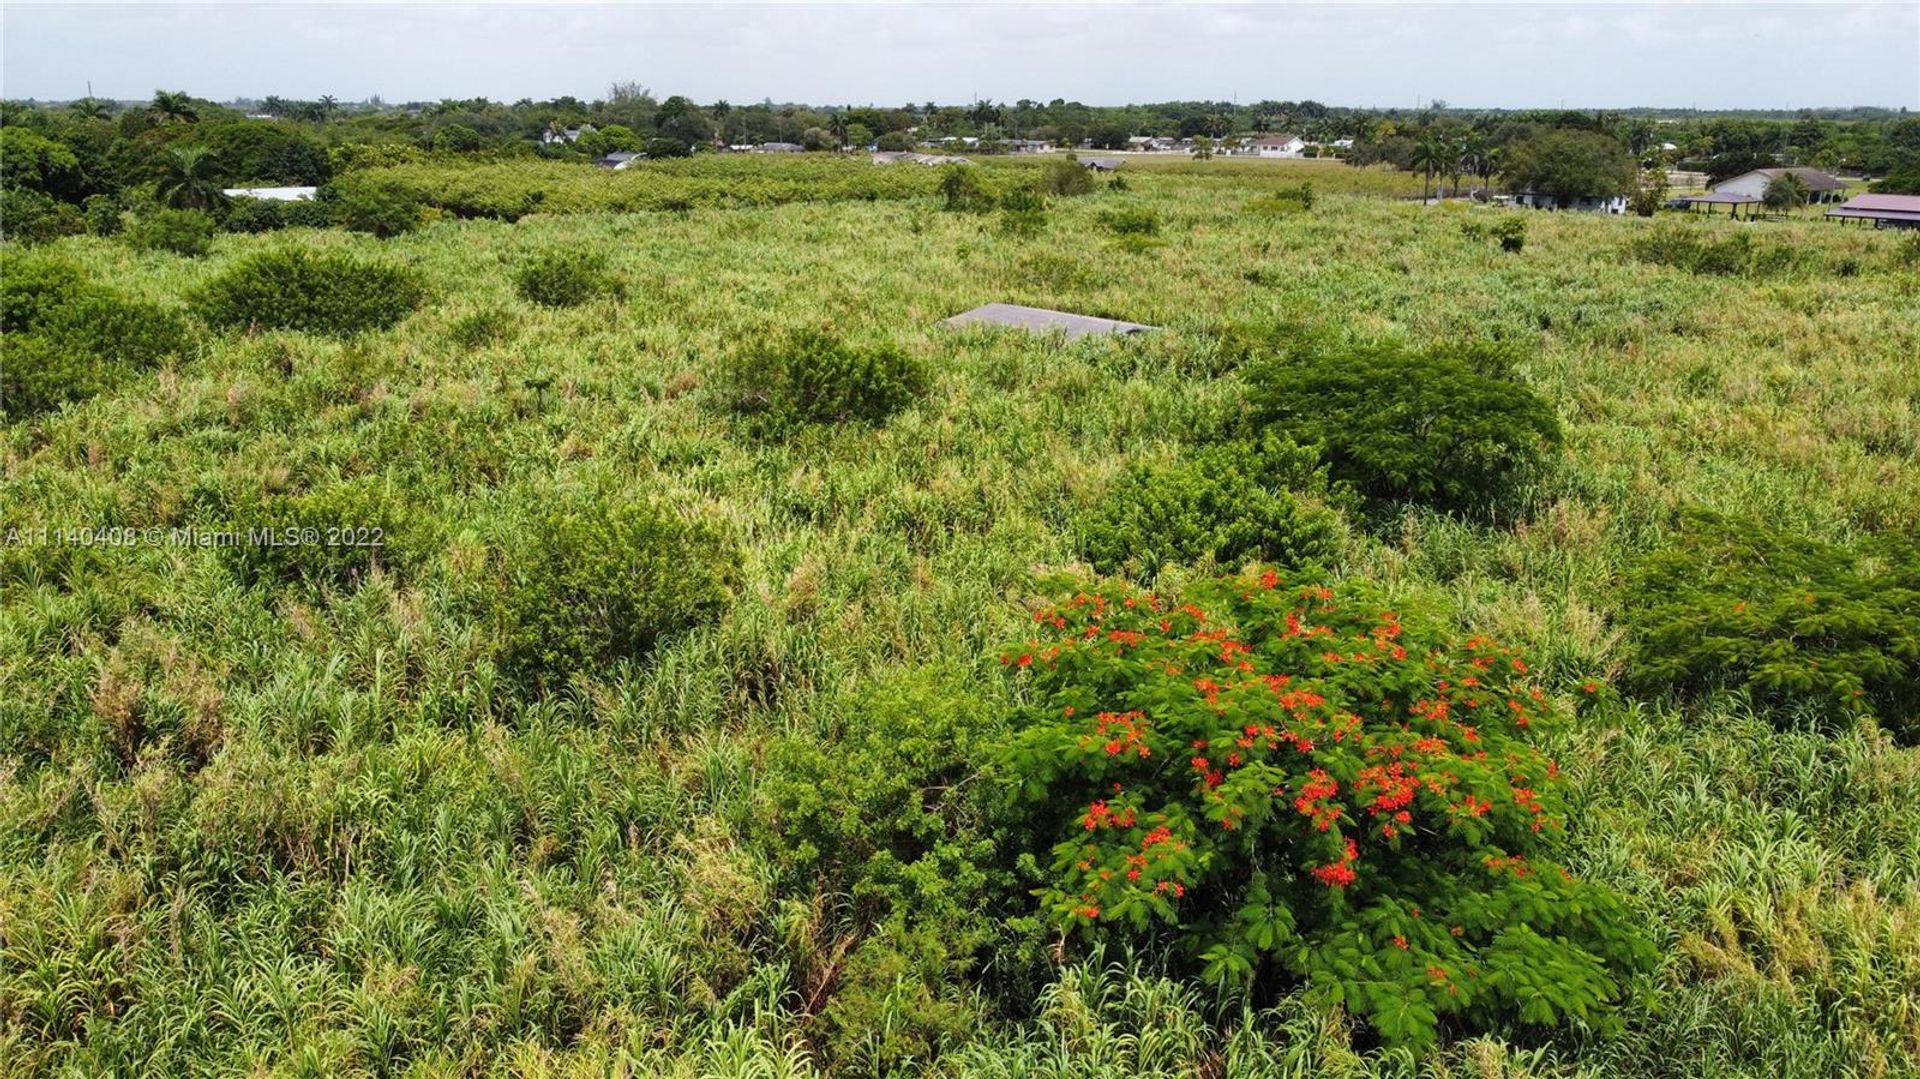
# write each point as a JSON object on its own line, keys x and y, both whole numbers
{"x": 90, "y": 108}
{"x": 173, "y": 105}
{"x": 188, "y": 182}
{"x": 328, "y": 103}
{"x": 1455, "y": 163}
{"x": 1429, "y": 156}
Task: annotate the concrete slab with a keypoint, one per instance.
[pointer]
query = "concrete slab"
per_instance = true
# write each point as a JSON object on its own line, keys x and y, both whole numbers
{"x": 1041, "y": 320}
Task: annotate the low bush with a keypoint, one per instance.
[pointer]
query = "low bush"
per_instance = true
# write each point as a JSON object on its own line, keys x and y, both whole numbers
{"x": 318, "y": 292}
{"x": 1284, "y": 201}
{"x": 1693, "y": 250}
{"x": 68, "y": 339}
{"x": 32, "y": 286}
{"x": 814, "y": 376}
{"x": 266, "y": 215}
{"x": 1140, "y": 221}
{"x": 962, "y": 192}
{"x": 566, "y": 279}
{"x": 381, "y": 209}
{"x": 187, "y": 233}
{"x": 1023, "y": 212}
{"x": 33, "y": 217}
{"x": 104, "y": 215}
{"x": 1297, "y": 781}
{"x": 1440, "y": 425}
{"x": 1065, "y": 178}
{"x": 1796, "y": 622}
{"x": 1225, "y": 504}
{"x": 333, "y": 535}
{"x": 593, "y": 581}
{"x": 1511, "y": 232}
{"x": 893, "y": 813}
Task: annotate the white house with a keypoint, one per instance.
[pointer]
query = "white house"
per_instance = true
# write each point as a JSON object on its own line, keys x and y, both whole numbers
{"x": 1820, "y": 186}
{"x": 1279, "y": 146}
{"x": 271, "y": 194}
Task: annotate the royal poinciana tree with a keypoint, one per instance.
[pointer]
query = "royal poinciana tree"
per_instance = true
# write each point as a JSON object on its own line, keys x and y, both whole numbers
{"x": 1309, "y": 787}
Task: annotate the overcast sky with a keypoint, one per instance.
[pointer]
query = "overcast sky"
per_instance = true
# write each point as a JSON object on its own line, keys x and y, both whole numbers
{"x": 1714, "y": 55}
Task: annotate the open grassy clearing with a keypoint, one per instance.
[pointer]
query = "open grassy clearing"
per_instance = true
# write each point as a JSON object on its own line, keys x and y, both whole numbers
{"x": 293, "y": 829}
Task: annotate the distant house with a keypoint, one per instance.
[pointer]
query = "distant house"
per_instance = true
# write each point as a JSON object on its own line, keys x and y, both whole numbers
{"x": 1100, "y": 164}
{"x": 1820, "y": 186}
{"x": 1279, "y": 146}
{"x": 555, "y": 136}
{"x": 1615, "y": 205}
{"x": 620, "y": 159}
{"x": 778, "y": 148}
{"x": 1029, "y": 146}
{"x": 271, "y": 194}
{"x": 1885, "y": 211}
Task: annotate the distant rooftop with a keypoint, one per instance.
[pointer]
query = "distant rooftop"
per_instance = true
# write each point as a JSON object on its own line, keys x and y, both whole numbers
{"x": 276, "y": 194}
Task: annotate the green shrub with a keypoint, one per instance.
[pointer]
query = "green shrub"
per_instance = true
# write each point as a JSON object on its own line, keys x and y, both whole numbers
{"x": 566, "y": 279}
{"x": 382, "y": 209}
{"x": 1735, "y": 603}
{"x": 1229, "y": 504}
{"x": 1511, "y": 231}
{"x": 1690, "y": 249}
{"x": 1284, "y": 201}
{"x": 187, "y": 233}
{"x": 962, "y": 191}
{"x": 332, "y": 535}
{"x": 1299, "y": 782}
{"x": 591, "y": 582}
{"x": 1066, "y": 179}
{"x": 103, "y": 215}
{"x": 1023, "y": 212}
{"x": 68, "y": 339}
{"x": 1140, "y": 221}
{"x": 813, "y": 376}
{"x": 892, "y": 812}
{"x": 32, "y": 217}
{"x": 1439, "y": 425}
{"x": 318, "y": 292}
{"x": 32, "y": 286}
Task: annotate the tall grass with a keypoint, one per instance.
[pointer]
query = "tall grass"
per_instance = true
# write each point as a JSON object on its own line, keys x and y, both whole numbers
{"x": 307, "y": 829}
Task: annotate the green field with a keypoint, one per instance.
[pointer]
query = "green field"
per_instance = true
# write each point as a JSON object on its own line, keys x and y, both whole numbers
{"x": 266, "y": 824}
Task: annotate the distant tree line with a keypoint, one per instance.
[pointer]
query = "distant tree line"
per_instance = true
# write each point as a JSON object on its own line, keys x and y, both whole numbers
{"x": 54, "y": 158}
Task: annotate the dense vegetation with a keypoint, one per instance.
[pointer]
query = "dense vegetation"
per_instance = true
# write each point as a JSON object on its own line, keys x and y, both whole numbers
{"x": 655, "y": 694}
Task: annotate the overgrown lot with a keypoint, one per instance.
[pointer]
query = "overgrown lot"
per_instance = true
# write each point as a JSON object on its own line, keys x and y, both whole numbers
{"x": 657, "y": 737}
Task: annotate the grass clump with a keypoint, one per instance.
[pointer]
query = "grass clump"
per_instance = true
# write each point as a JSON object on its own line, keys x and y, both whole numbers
{"x": 1297, "y": 781}
{"x": 477, "y": 329}
{"x": 1796, "y": 622}
{"x": 1284, "y": 201}
{"x": 293, "y": 288}
{"x": 1225, "y": 505}
{"x": 597, "y": 580}
{"x": 1442, "y": 425}
{"x": 815, "y": 376}
{"x": 567, "y": 279}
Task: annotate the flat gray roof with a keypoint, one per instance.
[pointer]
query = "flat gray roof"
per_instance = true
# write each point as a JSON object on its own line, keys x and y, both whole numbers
{"x": 1041, "y": 320}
